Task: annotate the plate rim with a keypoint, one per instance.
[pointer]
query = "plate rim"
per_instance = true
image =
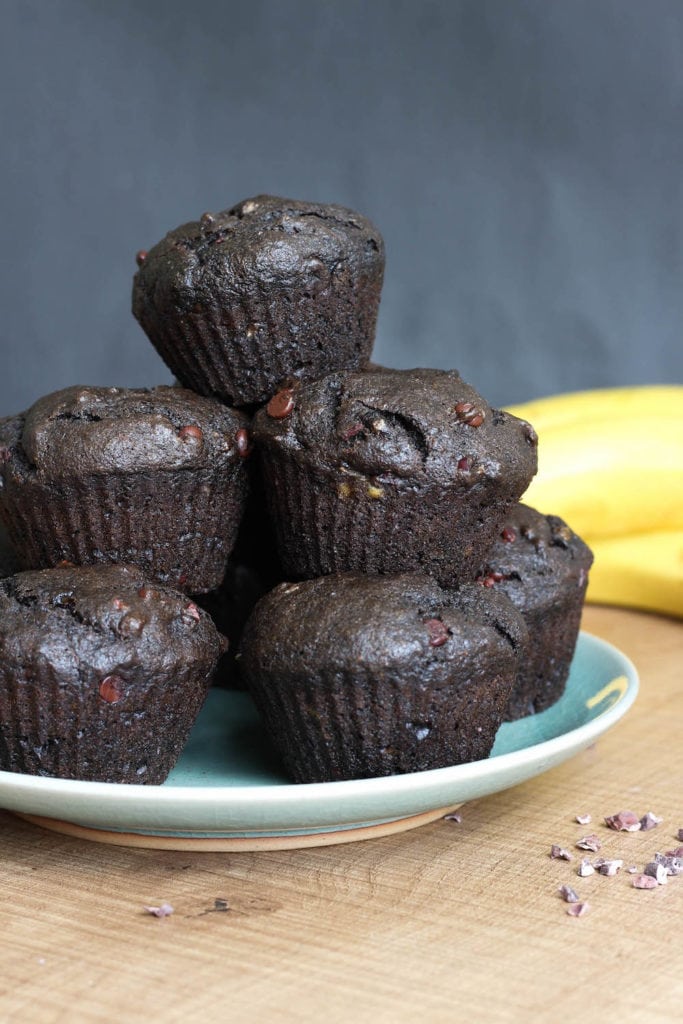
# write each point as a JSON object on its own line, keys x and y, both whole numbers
{"x": 306, "y": 797}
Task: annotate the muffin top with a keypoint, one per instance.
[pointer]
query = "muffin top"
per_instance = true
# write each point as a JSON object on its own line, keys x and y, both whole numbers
{"x": 101, "y": 619}
{"x": 262, "y": 242}
{"x": 84, "y": 430}
{"x": 353, "y": 620}
{"x": 537, "y": 559}
{"x": 419, "y": 426}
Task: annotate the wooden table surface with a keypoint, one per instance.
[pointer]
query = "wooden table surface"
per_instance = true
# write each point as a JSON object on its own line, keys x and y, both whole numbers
{"x": 448, "y": 922}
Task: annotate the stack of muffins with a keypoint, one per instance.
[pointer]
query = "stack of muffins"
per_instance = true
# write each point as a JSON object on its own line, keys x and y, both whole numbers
{"x": 355, "y": 530}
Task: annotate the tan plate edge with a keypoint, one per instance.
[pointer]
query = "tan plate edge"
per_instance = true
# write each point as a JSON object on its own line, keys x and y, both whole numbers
{"x": 233, "y": 844}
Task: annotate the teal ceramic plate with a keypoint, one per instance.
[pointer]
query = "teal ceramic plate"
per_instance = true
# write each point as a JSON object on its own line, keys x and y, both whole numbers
{"x": 229, "y": 792}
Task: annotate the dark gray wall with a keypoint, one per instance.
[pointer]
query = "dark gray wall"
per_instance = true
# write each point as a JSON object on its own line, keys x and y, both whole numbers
{"x": 523, "y": 159}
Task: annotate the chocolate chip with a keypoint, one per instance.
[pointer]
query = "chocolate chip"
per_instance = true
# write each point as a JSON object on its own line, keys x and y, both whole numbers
{"x": 191, "y": 613}
{"x": 465, "y": 464}
{"x": 190, "y": 433}
{"x": 140, "y": 257}
{"x": 207, "y": 221}
{"x": 281, "y": 404}
{"x": 490, "y": 579}
{"x": 111, "y": 689}
{"x": 469, "y": 414}
{"x": 242, "y": 442}
{"x": 438, "y": 632}
{"x": 508, "y": 534}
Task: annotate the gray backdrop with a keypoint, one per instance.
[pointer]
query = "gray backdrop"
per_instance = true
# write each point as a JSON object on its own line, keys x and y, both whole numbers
{"x": 523, "y": 159}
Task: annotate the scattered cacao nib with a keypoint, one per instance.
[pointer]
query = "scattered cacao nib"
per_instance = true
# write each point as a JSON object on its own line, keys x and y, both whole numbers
{"x": 649, "y": 821}
{"x": 585, "y": 868}
{"x": 608, "y": 867}
{"x": 623, "y": 821}
{"x": 583, "y": 819}
{"x": 644, "y": 882}
{"x": 673, "y": 865}
{"x": 678, "y": 852}
{"x": 591, "y": 842}
{"x": 559, "y": 853}
{"x": 568, "y": 894}
{"x": 221, "y": 905}
{"x": 578, "y": 909}
{"x": 656, "y": 871}
{"x": 454, "y": 816}
{"x": 163, "y": 910}
{"x": 632, "y": 869}
{"x": 679, "y": 835}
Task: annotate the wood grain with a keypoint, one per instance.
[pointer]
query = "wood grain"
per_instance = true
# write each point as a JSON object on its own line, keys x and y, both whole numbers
{"x": 445, "y": 923}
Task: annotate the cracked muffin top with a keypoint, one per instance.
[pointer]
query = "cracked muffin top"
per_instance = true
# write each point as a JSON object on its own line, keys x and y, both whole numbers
{"x": 537, "y": 559}
{"x": 83, "y": 430}
{"x": 266, "y": 241}
{"x": 96, "y": 616}
{"x": 353, "y": 621}
{"x": 418, "y": 426}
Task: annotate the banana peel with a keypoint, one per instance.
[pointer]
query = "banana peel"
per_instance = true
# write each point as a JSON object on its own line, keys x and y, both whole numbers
{"x": 611, "y": 465}
{"x": 643, "y": 571}
{"x": 557, "y": 412}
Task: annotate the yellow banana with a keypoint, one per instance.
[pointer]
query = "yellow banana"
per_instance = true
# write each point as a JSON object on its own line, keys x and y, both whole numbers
{"x": 561, "y": 411}
{"x": 643, "y": 571}
{"x": 611, "y": 460}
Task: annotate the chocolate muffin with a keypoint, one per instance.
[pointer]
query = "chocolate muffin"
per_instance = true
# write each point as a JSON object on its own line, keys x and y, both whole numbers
{"x": 389, "y": 471}
{"x": 101, "y": 673}
{"x": 230, "y": 605}
{"x": 270, "y": 291}
{"x": 542, "y": 567}
{"x": 9, "y": 563}
{"x": 154, "y": 478}
{"x": 359, "y": 676}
